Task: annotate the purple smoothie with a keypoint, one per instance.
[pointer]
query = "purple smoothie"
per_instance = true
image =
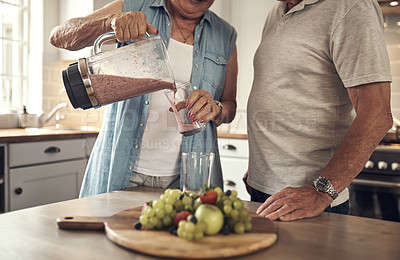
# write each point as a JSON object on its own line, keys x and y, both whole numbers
{"x": 109, "y": 88}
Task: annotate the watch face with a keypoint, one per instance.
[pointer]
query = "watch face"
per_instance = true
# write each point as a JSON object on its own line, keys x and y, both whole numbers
{"x": 322, "y": 184}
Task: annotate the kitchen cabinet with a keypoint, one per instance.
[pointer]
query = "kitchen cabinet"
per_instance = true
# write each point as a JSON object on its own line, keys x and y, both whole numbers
{"x": 234, "y": 162}
{"x": 44, "y": 172}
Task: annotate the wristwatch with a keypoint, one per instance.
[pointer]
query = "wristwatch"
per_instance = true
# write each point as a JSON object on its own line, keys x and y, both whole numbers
{"x": 220, "y": 110}
{"x": 323, "y": 184}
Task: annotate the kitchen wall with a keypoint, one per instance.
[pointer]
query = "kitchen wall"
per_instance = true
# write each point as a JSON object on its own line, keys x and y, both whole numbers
{"x": 248, "y": 19}
{"x": 392, "y": 39}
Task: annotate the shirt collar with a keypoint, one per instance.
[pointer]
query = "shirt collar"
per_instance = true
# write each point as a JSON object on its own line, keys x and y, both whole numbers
{"x": 300, "y": 6}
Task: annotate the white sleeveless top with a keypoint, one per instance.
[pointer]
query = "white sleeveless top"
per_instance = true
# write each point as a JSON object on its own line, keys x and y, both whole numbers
{"x": 160, "y": 151}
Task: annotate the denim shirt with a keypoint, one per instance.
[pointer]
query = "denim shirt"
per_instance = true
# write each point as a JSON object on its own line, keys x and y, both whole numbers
{"x": 118, "y": 143}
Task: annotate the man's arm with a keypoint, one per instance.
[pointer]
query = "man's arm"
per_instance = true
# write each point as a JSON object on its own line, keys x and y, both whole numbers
{"x": 373, "y": 120}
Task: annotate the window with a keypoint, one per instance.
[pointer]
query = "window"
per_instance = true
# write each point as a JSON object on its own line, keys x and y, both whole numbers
{"x": 14, "y": 35}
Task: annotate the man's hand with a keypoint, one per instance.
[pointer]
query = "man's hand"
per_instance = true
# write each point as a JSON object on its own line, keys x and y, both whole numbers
{"x": 295, "y": 203}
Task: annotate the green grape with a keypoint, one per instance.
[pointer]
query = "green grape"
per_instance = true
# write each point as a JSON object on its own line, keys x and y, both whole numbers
{"x": 168, "y": 208}
{"x": 179, "y": 232}
{"x": 143, "y": 220}
{"x": 198, "y": 235}
{"x": 160, "y": 213}
{"x": 227, "y": 201}
{"x": 233, "y": 194}
{"x": 243, "y": 213}
{"x": 189, "y": 236}
{"x": 238, "y": 204}
{"x": 219, "y": 191}
{"x": 248, "y": 226}
{"x": 158, "y": 204}
{"x": 154, "y": 221}
{"x": 182, "y": 224}
{"x": 167, "y": 192}
{"x": 200, "y": 227}
{"x": 175, "y": 193}
{"x": 170, "y": 200}
{"x": 234, "y": 214}
{"x": 239, "y": 228}
{"x": 178, "y": 205}
{"x": 163, "y": 197}
{"x": 149, "y": 211}
{"x": 167, "y": 221}
{"x": 189, "y": 226}
{"x": 173, "y": 213}
{"x": 188, "y": 208}
{"x": 227, "y": 209}
{"x": 187, "y": 201}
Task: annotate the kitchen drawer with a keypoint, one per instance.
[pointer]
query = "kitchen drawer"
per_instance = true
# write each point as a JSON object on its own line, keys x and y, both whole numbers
{"x": 31, "y": 153}
{"x": 237, "y": 148}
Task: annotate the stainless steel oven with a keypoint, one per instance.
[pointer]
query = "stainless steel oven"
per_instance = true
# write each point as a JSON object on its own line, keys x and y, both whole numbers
{"x": 375, "y": 192}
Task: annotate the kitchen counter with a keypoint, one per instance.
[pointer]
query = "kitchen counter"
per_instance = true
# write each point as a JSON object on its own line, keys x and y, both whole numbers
{"x": 18, "y": 135}
{"x": 33, "y": 233}
{"x": 225, "y": 134}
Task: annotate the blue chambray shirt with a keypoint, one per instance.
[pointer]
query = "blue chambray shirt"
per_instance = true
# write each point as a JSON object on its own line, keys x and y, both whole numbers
{"x": 118, "y": 143}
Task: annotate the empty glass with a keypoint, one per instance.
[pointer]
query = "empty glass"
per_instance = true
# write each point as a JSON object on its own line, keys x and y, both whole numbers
{"x": 178, "y": 102}
{"x": 197, "y": 170}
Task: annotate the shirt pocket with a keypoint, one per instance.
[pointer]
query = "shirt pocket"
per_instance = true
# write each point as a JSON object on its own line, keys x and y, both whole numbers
{"x": 215, "y": 69}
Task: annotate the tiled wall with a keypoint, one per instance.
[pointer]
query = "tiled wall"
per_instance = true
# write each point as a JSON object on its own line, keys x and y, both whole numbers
{"x": 53, "y": 93}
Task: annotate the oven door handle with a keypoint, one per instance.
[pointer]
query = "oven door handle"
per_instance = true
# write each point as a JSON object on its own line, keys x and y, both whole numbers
{"x": 384, "y": 184}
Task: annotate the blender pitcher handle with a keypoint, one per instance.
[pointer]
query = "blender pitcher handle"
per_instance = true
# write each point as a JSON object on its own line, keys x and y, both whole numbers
{"x": 106, "y": 37}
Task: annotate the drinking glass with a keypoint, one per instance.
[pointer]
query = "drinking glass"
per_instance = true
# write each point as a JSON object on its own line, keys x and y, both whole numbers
{"x": 177, "y": 99}
{"x": 197, "y": 170}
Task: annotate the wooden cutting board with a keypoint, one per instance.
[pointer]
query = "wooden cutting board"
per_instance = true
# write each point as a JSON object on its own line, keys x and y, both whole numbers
{"x": 119, "y": 229}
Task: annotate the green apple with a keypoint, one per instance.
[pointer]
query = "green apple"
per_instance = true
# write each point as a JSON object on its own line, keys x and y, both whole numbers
{"x": 212, "y": 216}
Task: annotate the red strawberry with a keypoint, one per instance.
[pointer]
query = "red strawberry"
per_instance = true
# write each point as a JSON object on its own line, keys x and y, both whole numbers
{"x": 180, "y": 216}
{"x": 209, "y": 198}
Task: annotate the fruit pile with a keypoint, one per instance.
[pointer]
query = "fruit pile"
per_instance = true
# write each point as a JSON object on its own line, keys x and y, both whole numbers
{"x": 191, "y": 216}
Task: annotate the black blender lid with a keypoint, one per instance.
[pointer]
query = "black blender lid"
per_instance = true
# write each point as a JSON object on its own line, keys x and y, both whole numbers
{"x": 75, "y": 87}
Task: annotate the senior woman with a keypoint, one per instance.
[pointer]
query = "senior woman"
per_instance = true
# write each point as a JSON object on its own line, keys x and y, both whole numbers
{"x": 136, "y": 145}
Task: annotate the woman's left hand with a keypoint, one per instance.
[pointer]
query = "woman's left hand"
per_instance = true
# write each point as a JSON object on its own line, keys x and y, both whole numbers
{"x": 202, "y": 107}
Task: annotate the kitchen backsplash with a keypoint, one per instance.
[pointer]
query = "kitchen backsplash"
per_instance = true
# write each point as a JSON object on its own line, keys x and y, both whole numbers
{"x": 54, "y": 93}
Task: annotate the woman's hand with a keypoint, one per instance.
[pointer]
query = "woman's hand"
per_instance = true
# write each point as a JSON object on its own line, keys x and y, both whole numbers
{"x": 131, "y": 26}
{"x": 202, "y": 107}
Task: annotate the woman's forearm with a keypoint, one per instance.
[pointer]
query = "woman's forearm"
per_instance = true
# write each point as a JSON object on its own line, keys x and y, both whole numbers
{"x": 78, "y": 33}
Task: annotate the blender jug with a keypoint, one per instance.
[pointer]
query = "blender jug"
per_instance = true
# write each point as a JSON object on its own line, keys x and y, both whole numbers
{"x": 107, "y": 77}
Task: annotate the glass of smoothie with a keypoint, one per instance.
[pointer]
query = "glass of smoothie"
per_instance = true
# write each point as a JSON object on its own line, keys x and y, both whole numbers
{"x": 177, "y": 98}
{"x": 197, "y": 170}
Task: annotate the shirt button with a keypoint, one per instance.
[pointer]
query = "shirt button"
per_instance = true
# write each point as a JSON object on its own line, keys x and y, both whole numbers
{"x": 194, "y": 87}
{"x": 169, "y": 24}
{"x": 198, "y": 35}
{"x": 130, "y": 168}
{"x": 217, "y": 59}
{"x": 136, "y": 146}
{"x": 146, "y": 102}
{"x": 196, "y": 51}
{"x": 197, "y": 65}
{"x": 165, "y": 42}
{"x": 140, "y": 124}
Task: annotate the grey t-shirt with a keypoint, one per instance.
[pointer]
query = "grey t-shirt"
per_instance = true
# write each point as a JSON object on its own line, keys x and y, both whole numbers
{"x": 299, "y": 109}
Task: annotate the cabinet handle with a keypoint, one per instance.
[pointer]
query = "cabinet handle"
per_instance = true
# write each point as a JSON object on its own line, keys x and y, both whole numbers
{"x": 229, "y": 147}
{"x": 19, "y": 191}
{"x": 52, "y": 149}
{"x": 229, "y": 183}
